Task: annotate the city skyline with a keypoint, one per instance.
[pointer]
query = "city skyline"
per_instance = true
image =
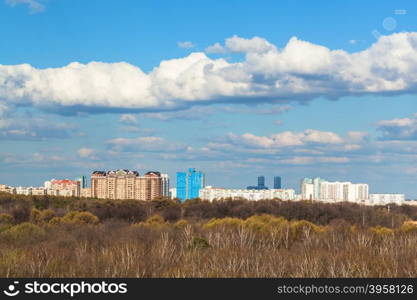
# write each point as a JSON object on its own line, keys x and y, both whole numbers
{"x": 248, "y": 90}
{"x": 124, "y": 184}
{"x": 188, "y": 184}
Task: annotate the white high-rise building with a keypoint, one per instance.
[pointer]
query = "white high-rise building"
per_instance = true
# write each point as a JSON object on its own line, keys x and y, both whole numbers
{"x": 322, "y": 190}
{"x": 209, "y": 193}
{"x": 48, "y": 184}
{"x": 165, "y": 185}
{"x": 382, "y": 199}
{"x": 307, "y": 189}
{"x": 316, "y": 182}
{"x": 173, "y": 193}
{"x": 343, "y": 191}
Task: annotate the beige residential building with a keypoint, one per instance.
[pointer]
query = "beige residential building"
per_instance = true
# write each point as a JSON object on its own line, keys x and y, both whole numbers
{"x": 38, "y": 191}
{"x": 125, "y": 184}
{"x": 7, "y": 189}
{"x": 66, "y": 187}
{"x": 85, "y": 193}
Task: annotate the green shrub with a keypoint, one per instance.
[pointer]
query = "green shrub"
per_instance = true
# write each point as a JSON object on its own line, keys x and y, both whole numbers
{"x": 381, "y": 231}
{"x": 199, "y": 243}
{"x": 181, "y": 224}
{"x": 4, "y": 227}
{"x": 266, "y": 223}
{"x": 35, "y": 215}
{"x": 298, "y": 228}
{"x": 153, "y": 222}
{"x": 46, "y": 215}
{"x": 41, "y": 216}
{"x": 224, "y": 222}
{"x": 80, "y": 218}
{"x": 24, "y": 232}
{"x": 408, "y": 227}
{"x": 6, "y": 219}
{"x": 56, "y": 221}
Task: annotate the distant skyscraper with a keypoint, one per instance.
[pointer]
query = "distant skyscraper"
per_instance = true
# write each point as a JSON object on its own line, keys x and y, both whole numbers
{"x": 260, "y": 186}
{"x": 195, "y": 183}
{"x": 307, "y": 189}
{"x": 189, "y": 184}
{"x": 277, "y": 183}
{"x": 317, "y": 185}
{"x": 83, "y": 181}
{"x": 261, "y": 181}
{"x": 182, "y": 185}
{"x": 165, "y": 185}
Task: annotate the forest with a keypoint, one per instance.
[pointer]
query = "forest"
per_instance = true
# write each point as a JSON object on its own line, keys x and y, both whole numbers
{"x": 44, "y": 236}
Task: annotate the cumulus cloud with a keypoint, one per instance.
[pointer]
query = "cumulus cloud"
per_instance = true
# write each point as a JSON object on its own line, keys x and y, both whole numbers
{"x": 287, "y": 139}
{"x": 34, "y": 6}
{"x": 306, "y": 160}
{"x": 308, "y": 147}
{"x": 85, "y": 152}
{"x": 128, "y": 119}
{"x": 255, "y": 45}
{"x": 300, "y": 71}
{"x": 185, "y": 45}
{"x": 191, "y": 114}
{"x": 398, "y": 129}
{"x": 16, "y": 127}
{"x": 200, "y": 112}
{"x": 215, "y": 48}
{"x": 357, "y": 136}
{"x": 258, "y": 110}
{"x": 4, "y": 113}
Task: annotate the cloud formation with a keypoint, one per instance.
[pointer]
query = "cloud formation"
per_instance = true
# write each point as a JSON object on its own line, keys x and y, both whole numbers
{"x": 128, "y": 119}
{"x": 85, "y": 152}
{"x": 398, "y": 129}
{"x": 34, "y": 6}
{"x": 186, "y": 45}
{"x": 286, "y": 139}
{"x": 300, "y": 71}
{"x": 16, "y": 127}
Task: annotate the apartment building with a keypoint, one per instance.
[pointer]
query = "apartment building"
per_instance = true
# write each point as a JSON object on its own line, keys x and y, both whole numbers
{"x": 126, "y": 184}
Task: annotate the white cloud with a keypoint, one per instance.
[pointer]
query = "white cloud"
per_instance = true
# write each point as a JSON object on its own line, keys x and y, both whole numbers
{"x": 300, "y": 71}
{"x": 357, "y": 136}
{"x": 85, "y": 152}
{"x": 258, "y": 109}
{"x": 215, "y": 48}
{"x": 14, "y": 126}
{"x": 305, "y": 160}
{"x": 4, "y": 113}
{"x": 287, "y": 139}
{"x": 398, "y": 129}
{"x": 255, "y": 44}
{"x": 34, "y": 6}
{"x": 238, "y": 44}
{"x": 128, "y": 119}
{"x": 191, "y": 114}
{"x": 185, "y": 45}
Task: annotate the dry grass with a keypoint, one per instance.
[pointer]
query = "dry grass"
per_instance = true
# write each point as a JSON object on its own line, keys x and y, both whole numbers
{"x": 261, "y": 246}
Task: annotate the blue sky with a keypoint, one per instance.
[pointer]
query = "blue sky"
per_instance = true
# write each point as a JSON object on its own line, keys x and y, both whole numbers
{"x": 236, "y": 89}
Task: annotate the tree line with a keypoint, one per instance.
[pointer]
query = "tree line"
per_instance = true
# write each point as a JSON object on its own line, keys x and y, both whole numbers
{"x": 133, "y": 211}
